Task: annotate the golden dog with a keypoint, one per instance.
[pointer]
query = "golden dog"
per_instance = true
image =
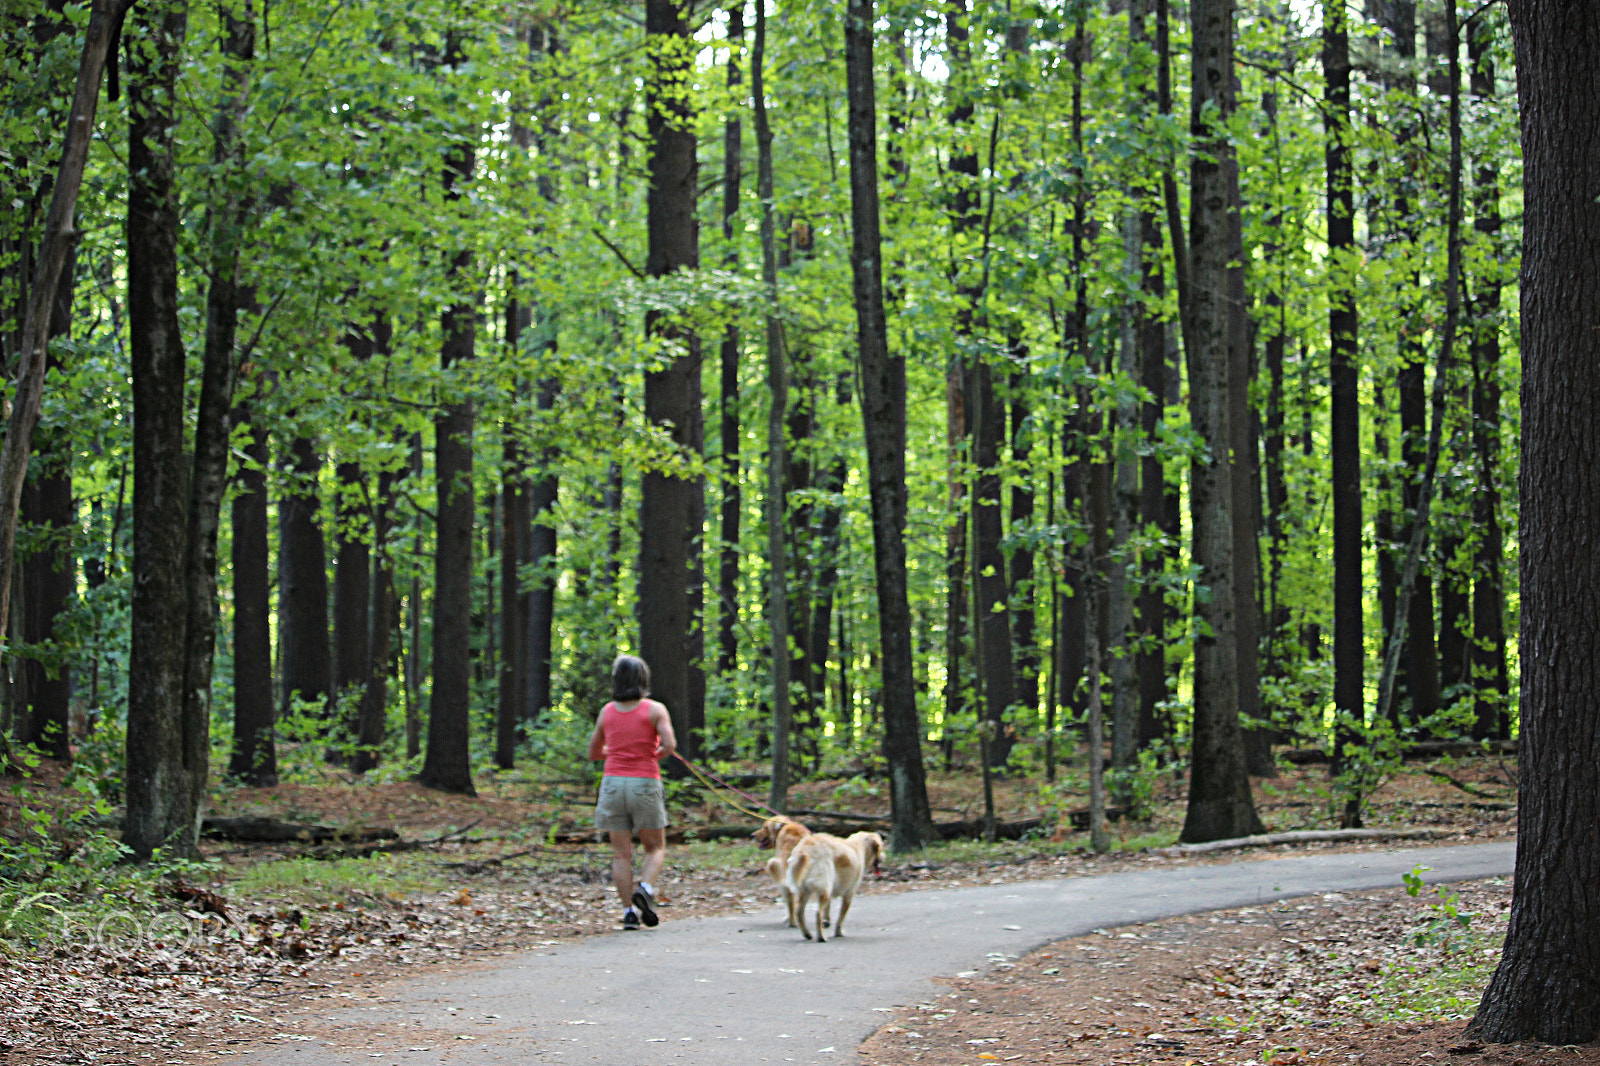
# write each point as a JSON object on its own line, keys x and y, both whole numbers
{"x": 781, "y": 834}
{"x": 823, "y": 867}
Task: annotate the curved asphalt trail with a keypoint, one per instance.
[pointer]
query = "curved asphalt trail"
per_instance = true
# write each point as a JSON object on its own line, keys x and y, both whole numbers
{"x": 742, "y": 989}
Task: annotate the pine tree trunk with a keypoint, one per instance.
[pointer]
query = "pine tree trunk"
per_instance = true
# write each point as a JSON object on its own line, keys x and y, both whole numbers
{"x": 1349, "y": 655}
{"x": 883, "y": 413}
{"x": 352, "y": 577}
{"x": 1489, "y": 675}
{"x": 373, "y": 716}
{"x": 304, "y": 654}
{"x": 1420, "y": 669}
{"x": 671, "y": 506}
{"x": 161, "y": 812}
{"x": 253, "y": 759}
{"x": 728, "y": 373}
{"x": 447, "y": 764}
{"x": 1220, "y": 804}
{"x": 1544, "y": 988}
{"x": 49, "y": 578}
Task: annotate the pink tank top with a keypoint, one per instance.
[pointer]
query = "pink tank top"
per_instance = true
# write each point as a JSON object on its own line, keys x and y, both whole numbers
{"x": 632, "y": 743}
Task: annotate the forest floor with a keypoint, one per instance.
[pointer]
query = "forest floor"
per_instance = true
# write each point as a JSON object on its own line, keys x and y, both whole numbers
{"x": 263, "y": 939}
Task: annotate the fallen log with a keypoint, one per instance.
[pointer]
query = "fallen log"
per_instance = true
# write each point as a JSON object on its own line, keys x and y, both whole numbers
{"x": 1304, "y": 836}
{"x": 1420, "y": 749}
{"x": 272, "y": 831}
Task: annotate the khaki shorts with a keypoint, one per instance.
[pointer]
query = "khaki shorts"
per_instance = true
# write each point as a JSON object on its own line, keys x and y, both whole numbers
{"x": 630, "y": 803}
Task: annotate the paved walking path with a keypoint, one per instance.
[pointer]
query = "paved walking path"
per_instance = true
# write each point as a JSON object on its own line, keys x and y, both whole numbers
{"x": 741, "y": 990}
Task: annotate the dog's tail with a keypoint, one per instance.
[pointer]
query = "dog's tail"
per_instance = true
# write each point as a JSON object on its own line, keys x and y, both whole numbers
{"x": 798, "y": 863}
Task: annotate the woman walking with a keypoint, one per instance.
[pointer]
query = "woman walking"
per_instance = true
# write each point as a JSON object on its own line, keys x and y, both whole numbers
{"x": 633, "y": 734}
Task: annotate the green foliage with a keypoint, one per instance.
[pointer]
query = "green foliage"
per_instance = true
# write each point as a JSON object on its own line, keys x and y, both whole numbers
{"x": 353, "y": 109}
{"x": 1446, "y": 921}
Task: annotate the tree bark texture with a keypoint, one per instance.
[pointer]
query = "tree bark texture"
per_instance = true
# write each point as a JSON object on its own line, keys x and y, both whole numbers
{"x": 1220, "y": 803}
{"x": 161, "y": 809}
{"x": 671, "y": 506}
{"x": 1489, "y": 675}
{"x": 883, "y": 412}
{"x": 728, "y": 373}
{"x": 49, "y": 578}
{"x": 1421, "y": 665}
{"x": 1349, "y": 656}
{"x": 352, "y": 575}
{"x": 777, "y": 380}
{"x": 253, "y": 758}
{"x": 447, "y": 763}
{"x": 372, "y": 717}
{"x": 1547, "y": 985}
{"x": 304, "y": 653}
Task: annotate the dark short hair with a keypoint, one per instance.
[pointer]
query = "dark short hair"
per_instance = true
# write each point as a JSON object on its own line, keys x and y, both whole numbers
{"x": 630, "y": 678}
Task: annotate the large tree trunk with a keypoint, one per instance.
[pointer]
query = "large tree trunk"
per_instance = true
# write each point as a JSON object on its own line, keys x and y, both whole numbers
{"x": 883, "y": 412}
{"x": 304, "y": 654}
{"x": 1349, "y": 656}
{"x": 671, "y": 507}
{"x": 1220, "y": 804}
{"x": 1488, "y": 673}
{"x": 1544, "y": 988}
{"x": 253, "y": 759}
{"x": 447, "y": 764}
{"x": 161, "y": 794}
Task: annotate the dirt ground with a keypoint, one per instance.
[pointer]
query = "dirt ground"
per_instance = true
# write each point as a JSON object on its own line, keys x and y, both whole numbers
{"x": 1288, "y": 984}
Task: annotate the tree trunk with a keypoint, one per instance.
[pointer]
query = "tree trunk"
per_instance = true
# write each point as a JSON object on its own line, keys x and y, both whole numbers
{"x": 219, "y": 371}
{"x": 372, "y": 719}
{"x": 515, "y": 521}
{"x": 1489, "y": 676}
{"x": 447, "y": 764}
{"x": 253, "y": 759}
{"x": 541, "y": 595}
{"x": 352, "y": 577}
{"x": 1421, "y": 665}
{"x": 1349, "y": 655}
{"x": 1274, "y": 436}
{"x": 1220, "y": 804}
{"x": 49, "y": 578}
{"x": 728, "y": 371}
{"x": 670, "y": 506}
{"x": 1023, "y": 578}
{"x": 161, "y": 809}
{"x": 372, "y": 716}
{"x": 305, "y": 657}
{"x": 1544, "y": 988}
{"x": 778, "y": 619}
{"x": 883, "y": 412}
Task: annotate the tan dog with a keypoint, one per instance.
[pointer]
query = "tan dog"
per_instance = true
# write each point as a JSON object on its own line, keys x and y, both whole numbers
{"x": 781, "y": 834}
{"x": 822, "y": 867}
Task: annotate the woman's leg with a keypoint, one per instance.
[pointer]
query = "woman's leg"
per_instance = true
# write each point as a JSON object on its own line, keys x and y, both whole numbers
{"x": 654, "y": 843}
{"x": 622, "y": 863}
